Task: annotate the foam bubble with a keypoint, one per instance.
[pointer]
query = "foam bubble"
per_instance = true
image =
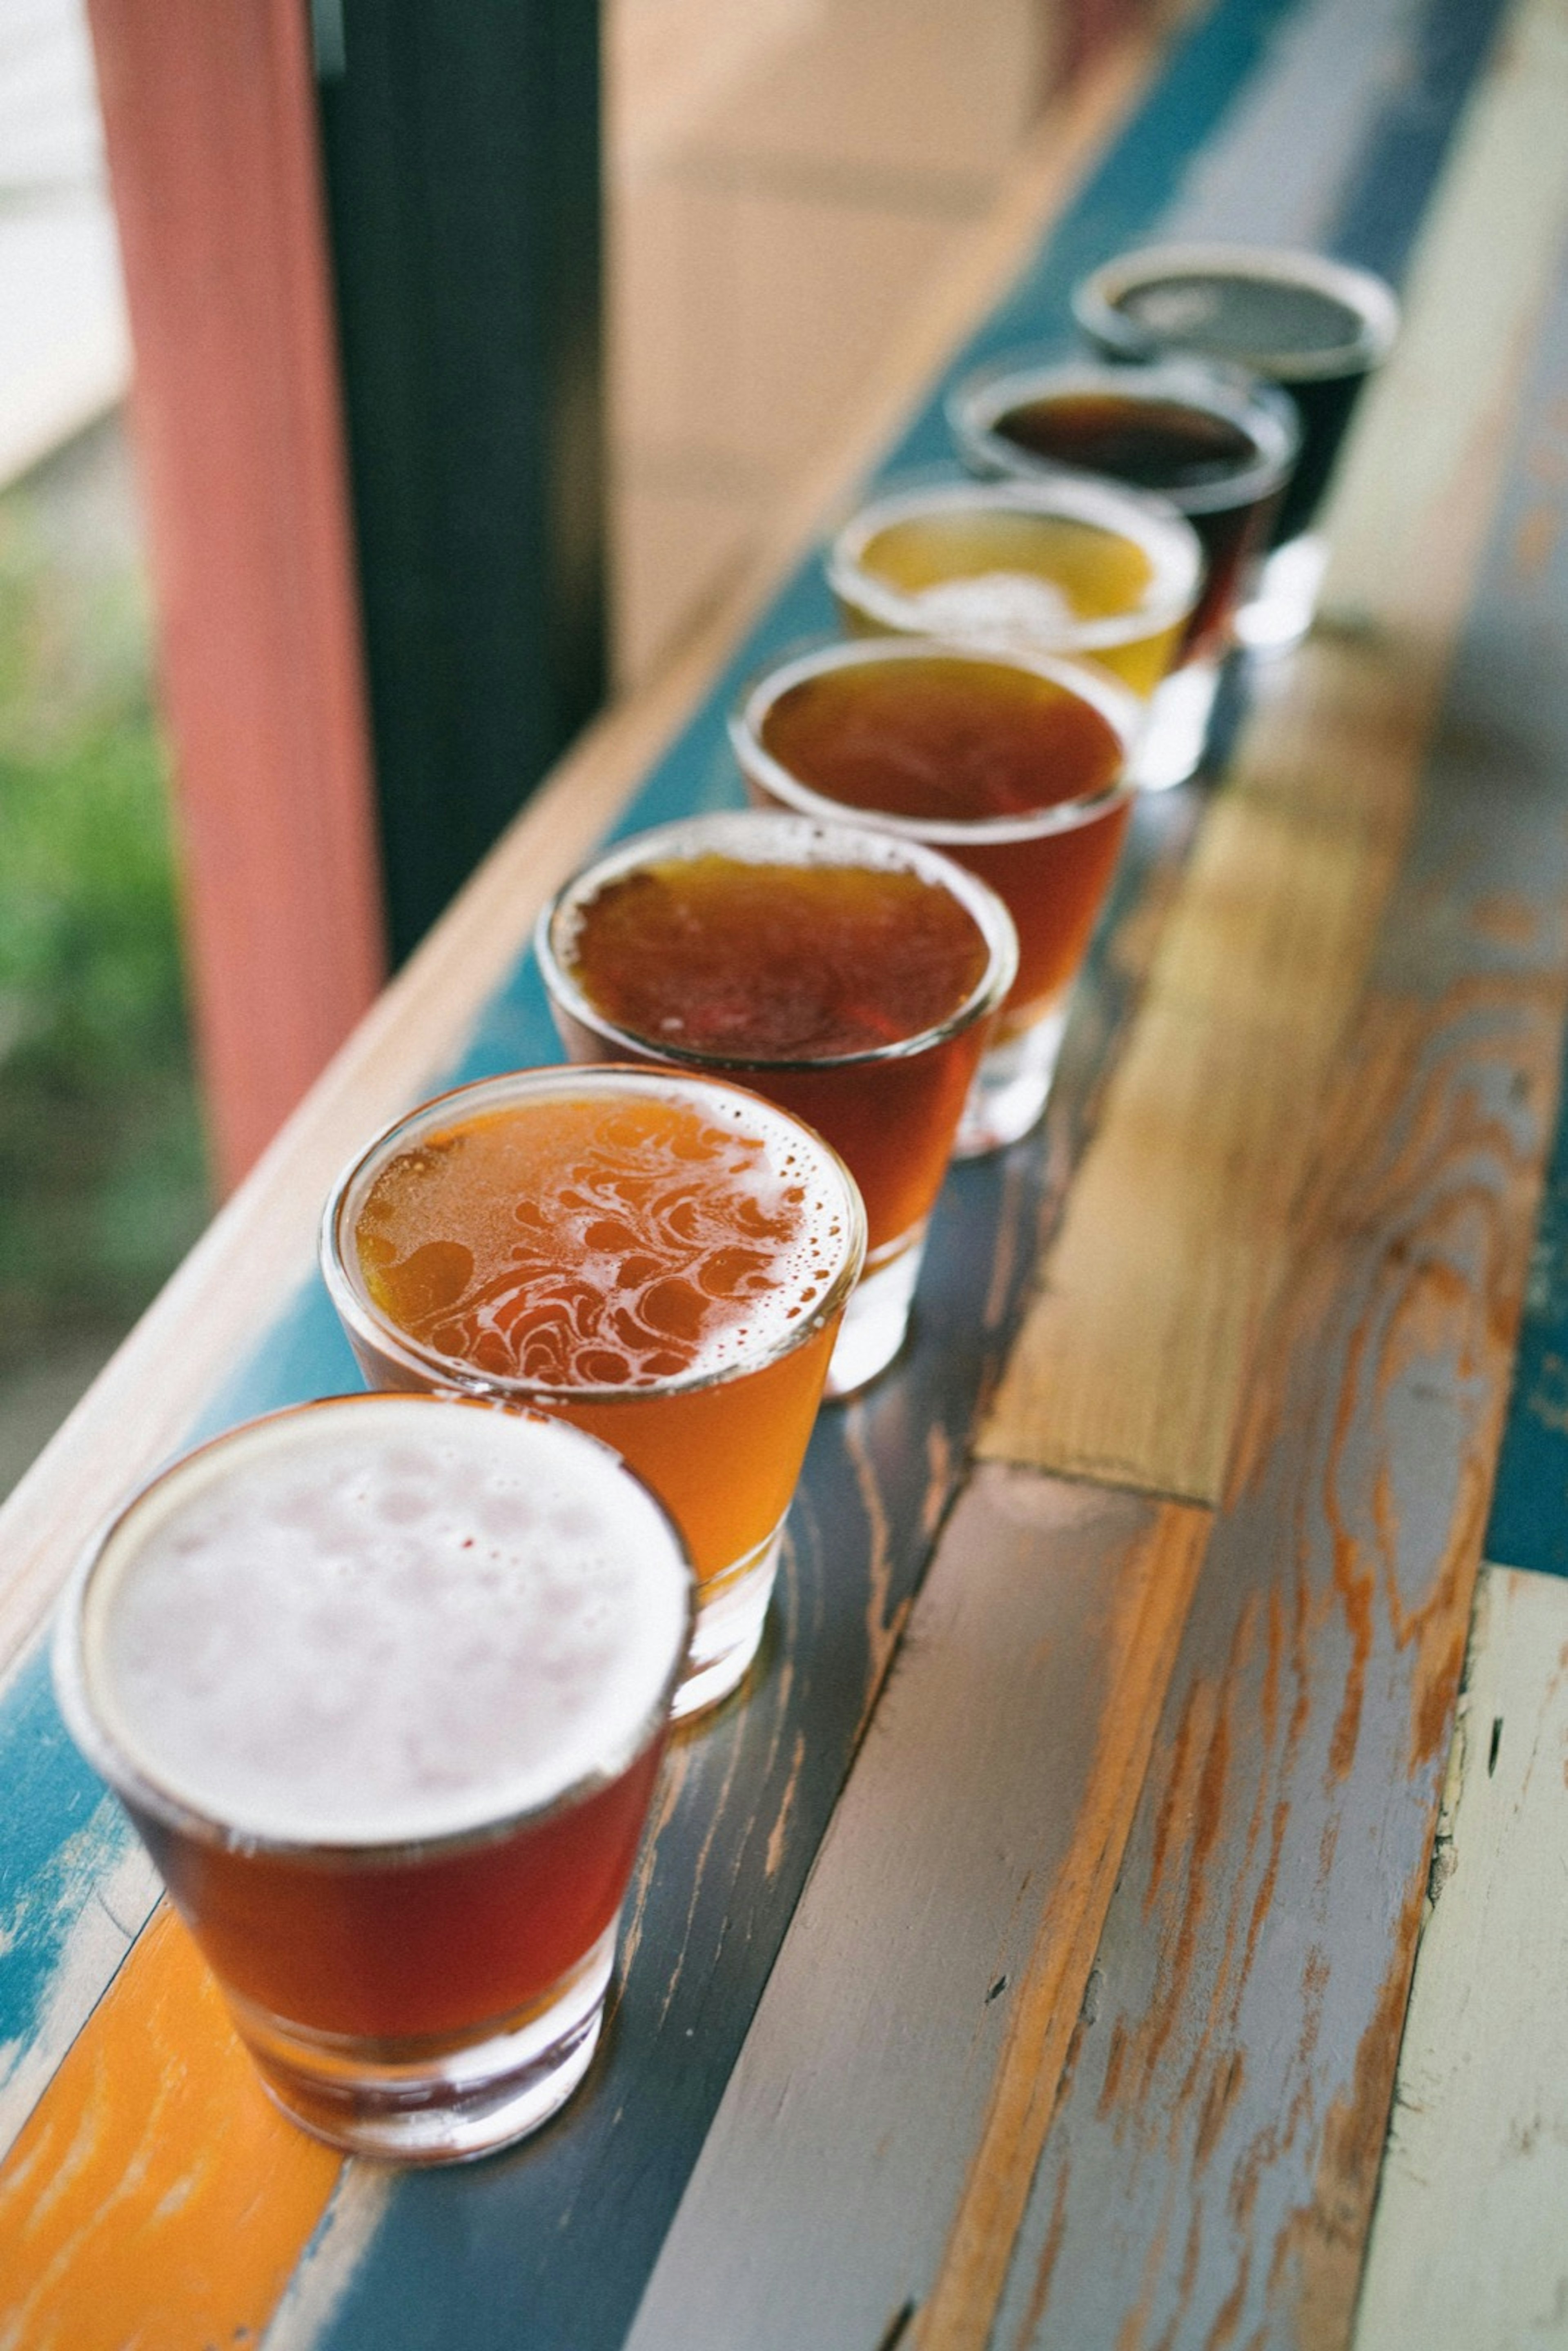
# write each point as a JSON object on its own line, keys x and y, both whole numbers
{"x": 606, "y": 1241}
{"x": 338, "y": 1629}
{"x": 1000, "y": 606}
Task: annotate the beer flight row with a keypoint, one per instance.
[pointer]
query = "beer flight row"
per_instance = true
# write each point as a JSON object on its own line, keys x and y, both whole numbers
{"x": 384, "y": 1680}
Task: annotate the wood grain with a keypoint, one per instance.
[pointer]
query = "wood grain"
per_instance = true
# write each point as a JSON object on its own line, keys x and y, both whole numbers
{"x": 1134, "y": 1363}
{"x": 937, "y": 1958}
{"x": 156, "y": 2195}
{"x": 749, "y": 1796}
{"x": 1469, "y": 2251}
{"x": 1211, "y": 2166}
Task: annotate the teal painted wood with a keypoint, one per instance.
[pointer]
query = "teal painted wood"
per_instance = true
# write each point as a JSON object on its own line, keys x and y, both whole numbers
{"x": 878, "y": 1476}
{"x": 1528, "y": 1525}
{"x": 1215, "y": 2149}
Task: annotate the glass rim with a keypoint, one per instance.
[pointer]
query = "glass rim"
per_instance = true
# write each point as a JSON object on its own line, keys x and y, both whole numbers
{"x": 1162, "y": 536}
{"x": 1115, "y": 703}
{"x": 1260, "y": 410}
{"x": 362, "y": 1318}
{"x": 1096, "y": 298}
{"x": 136, "y": 1785}
{"x": 666, "y": 843}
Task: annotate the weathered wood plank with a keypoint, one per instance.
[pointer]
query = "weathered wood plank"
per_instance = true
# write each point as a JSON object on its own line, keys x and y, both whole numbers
{"x": 1214, "y": 2157}
{"x": 102, "y": 2246}
{"x": 757, "y": 1785}
{"x": 1469, "y": 2250}
{"x": 1134, "y": 1363}
{"x": 1211, "y": 2166}
{"x": 937, "y": 1958}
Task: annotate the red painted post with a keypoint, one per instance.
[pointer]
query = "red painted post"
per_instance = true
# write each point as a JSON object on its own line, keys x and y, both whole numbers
{"x": 1088, "y": 28}
{"x": 210, "y": 119}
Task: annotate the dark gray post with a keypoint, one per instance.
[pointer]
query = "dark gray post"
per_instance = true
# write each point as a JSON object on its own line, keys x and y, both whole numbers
{"x": 463, "y": 166}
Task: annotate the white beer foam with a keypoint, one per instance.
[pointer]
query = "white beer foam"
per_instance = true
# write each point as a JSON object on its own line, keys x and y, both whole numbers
{"x": 999, "y": 607}
{"x": 391, "y": 1619}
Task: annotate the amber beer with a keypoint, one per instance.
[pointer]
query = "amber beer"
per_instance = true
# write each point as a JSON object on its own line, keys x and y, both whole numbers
{"x": 660, "y": 1259}
{"x": 1011, "y": 763}
{"x": 383, "y": 1683}
{"x": 851, "y": 977}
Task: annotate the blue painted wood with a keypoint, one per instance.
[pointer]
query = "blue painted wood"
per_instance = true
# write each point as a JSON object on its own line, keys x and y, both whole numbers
{"x": 1529, "y": 1522}
{"x": 1380, "y": 210}
{"x": 62, "y": 1834}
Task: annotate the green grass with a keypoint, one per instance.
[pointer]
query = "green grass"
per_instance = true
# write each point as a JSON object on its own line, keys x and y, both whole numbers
{"x": 102, "y": 1177}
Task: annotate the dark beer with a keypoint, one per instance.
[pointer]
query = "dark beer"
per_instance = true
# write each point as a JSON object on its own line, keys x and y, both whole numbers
{"x": 1315, "y": 326}
{"x": 1217, "y": 447}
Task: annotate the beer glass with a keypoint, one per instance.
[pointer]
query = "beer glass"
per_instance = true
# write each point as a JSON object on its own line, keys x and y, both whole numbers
{"x": 851, "y": 977}
{"x": 1011, "y": 763}
{"x": 1315, "y": 326}
{"x": 658, "y": 1258}
{"x": 383, "y": 1683}
{"x": 1217, "y": 445}
{"x": 1068, "y": 565}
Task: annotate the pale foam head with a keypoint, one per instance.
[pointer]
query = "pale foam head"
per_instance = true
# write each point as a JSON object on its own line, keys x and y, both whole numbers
{"x": 381, "y": 1620}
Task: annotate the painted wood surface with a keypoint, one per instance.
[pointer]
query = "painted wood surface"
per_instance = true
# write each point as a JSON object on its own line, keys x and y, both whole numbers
{"x": 1528, "y": 1525}
{"x": 1211, "y": 2166}
{"x": 523, "y": 2239}
{"x": 209, "y": 121}
{"x": 1469, "y": 2251}
{"x": 1133, "y": 1366}
{"x": 100, "y": 2247}
{"x": 963, "y": 1878}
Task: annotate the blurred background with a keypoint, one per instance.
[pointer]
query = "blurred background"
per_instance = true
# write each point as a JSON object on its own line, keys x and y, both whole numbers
{"x": 783, "y": 184}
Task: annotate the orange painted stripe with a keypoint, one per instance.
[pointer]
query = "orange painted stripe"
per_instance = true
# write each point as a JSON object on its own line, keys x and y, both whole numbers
{"x": 156, "y": 2199}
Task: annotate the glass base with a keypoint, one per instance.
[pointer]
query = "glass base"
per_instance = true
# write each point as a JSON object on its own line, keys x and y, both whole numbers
{"x": 1279, "y": 611}
{"x": 1010, "y": 1087}
{"x": 434, "y": 2102}
{"x": 875, "y": 1319}
{"x": 1171, "y": 744}
{"x": 731, "y": 1612}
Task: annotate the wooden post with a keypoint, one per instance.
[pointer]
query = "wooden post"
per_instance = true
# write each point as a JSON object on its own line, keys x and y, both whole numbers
{"x": 210, "y": 123}
{"x": 462, "y": 157}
